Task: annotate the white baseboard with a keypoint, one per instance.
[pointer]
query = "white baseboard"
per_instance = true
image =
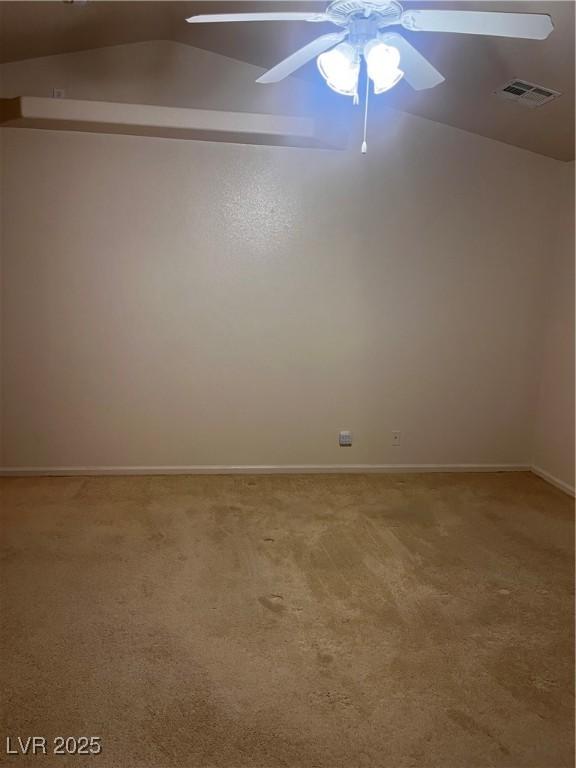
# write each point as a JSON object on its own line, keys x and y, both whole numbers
{"x": 554, "y": 480}
{"x": 295, "y": 469}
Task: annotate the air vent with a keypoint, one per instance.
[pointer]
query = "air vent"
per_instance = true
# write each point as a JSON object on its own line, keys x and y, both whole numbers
{"x": 527, "y": 94}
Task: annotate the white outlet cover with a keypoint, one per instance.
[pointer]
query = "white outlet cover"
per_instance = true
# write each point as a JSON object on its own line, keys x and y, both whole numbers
{"x": 345, "y": 438}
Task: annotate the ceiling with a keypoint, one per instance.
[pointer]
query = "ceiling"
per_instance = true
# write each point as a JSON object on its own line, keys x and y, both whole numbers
{"x": 473, "y": 66}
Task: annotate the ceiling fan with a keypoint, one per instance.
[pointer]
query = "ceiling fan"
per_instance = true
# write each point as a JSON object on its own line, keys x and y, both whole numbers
{"x": 366, "y": 32}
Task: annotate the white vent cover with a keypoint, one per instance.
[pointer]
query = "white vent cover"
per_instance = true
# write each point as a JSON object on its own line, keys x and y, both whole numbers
{"x": 528, "y": 94}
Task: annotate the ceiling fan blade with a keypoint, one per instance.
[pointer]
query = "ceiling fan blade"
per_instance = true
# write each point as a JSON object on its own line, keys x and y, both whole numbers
{"x": 301, "y": 57}
{"x": 280, "y": 16}
{"x": 533, "y": 26}
{"x": 418, "y": 72}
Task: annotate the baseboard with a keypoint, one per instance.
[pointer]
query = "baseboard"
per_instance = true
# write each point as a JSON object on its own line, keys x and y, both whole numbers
{"x": 553, "y": 480}
{"x": 295, "y": 469}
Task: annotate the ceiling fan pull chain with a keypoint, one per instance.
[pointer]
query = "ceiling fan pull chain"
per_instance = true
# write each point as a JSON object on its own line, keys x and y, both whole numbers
{"x": 364, "y": 145}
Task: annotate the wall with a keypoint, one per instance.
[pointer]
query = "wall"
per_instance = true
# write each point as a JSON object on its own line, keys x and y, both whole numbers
{"x": 156, "y": 72}
{"x": 554, "y": 424}
{"x": 173, "y": 303}
{"x": 1, "y": 293}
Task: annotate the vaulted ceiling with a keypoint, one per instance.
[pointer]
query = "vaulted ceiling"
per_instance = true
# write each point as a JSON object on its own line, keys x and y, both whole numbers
{"x": 473, "y": 66}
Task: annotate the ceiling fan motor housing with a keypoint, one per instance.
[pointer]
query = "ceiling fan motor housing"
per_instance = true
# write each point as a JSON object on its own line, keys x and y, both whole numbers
{"x": 362, "y": 30}
{"x": 381, "y": 12}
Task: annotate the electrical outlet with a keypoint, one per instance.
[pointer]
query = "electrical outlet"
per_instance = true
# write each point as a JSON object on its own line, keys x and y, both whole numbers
{"x": 58, "y": 93}
{"x": 345, "y": 439}
{"x": 395, "y": 438}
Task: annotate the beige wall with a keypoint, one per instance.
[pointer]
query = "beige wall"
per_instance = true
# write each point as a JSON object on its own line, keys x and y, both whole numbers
{"x": 156, "y": 72}
{"x": 184, "y": 303}
{"x": 554, "y": 423}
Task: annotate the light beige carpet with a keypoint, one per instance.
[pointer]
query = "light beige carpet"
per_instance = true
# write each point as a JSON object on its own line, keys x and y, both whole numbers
{"x": 300, "y": 621}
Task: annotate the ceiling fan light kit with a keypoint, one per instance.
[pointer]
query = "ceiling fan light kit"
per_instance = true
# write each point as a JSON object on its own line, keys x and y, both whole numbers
{"x": 366, "y": 34}
{"x": 382, "y": 65}
{"x": 340, "y": 67}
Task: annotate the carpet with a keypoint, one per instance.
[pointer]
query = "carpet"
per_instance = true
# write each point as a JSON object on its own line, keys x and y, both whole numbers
{"x": 342, "y": 621}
